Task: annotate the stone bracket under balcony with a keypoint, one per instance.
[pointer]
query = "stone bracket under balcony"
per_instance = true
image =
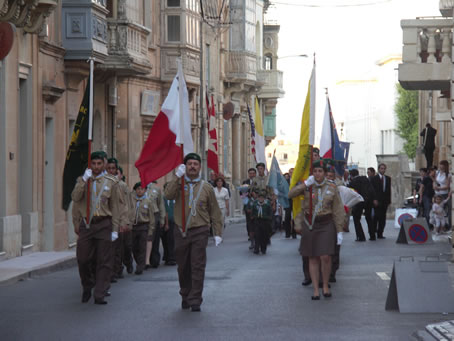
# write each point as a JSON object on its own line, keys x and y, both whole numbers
{"x": 427, "y": 54}
{"x": 27, "y": 14}
{"x": 128, "y": 48}
{"x": 84, "y": 28}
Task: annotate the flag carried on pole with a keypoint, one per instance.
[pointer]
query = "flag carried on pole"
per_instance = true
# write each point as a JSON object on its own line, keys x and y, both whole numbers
{"x": 77, "y": 154}
{"x": 303, "y": 164}
{"x": 252, "y": 132}
{"x": 162, "y": 151}
{"x": 277, "y": 181}
{"x": 212, "y": 155}
{"x": 330, "y": 146}
{"x": 259, "y": 135}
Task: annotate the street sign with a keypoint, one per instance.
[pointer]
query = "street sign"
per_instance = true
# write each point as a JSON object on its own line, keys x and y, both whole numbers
{"x": 404, "y": 214}
{"x": 414, "y": 231}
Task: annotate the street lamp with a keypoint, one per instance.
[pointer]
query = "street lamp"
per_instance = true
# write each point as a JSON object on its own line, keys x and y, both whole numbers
{"x": 294, "y": 56}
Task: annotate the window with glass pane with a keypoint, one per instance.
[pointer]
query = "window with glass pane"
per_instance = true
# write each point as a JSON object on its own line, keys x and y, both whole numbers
{"x": 173, "y": 28}
{"x": 173, "y": 3}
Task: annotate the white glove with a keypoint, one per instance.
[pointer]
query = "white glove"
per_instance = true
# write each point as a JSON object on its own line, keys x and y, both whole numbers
{"x": 181, "y": 170}
{"x": 114, "y": 236}
{"x": 87, "y": 175}
{"x": 309, "y": 181}
{"x": 217, "y": 240}
{"x": 340, "y": 237}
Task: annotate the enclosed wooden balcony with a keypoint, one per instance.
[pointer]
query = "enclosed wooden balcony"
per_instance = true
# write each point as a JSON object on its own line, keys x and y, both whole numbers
{"x": 272, "y": 83}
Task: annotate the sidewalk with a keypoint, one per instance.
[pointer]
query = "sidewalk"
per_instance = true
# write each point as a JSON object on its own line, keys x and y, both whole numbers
{"x": 34, "y": 264}
{"x": 442, "y": 331}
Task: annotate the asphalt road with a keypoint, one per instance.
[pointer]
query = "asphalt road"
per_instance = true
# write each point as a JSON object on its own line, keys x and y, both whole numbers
{"x": 246, "y": 297}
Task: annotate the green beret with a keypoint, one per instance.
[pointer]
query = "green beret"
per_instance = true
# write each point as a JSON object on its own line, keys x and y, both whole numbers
{"x": 260, "y": 164}
{"x": 320, "y": 164}
{"x": 103, "y": 153}
{"x": 316, "y": 150}
{"x": 112, "y": 160}
{"x": 97, "y": 156}
{"x": 138, "y": 184}
{"x": 192, "y": 156}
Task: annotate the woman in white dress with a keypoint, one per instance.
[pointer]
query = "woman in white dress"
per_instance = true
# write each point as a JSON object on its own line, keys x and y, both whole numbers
{"x": 442, "y": 186}
{"x": 222, "y": 196}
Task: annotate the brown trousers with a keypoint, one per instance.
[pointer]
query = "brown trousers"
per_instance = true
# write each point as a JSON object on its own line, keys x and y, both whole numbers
{"x": 139, "y": 245}
{"x": 190, "y": 254}
{"x": 94, "y": 248}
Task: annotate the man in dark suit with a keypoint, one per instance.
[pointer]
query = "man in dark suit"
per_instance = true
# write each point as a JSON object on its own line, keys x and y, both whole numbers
{"x": 428, "y": 141}
{"x": 382, "y": 188}
{"x": 362, "y": 185}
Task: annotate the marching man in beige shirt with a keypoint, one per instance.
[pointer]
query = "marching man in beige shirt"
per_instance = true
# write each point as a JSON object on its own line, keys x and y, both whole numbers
{"x": 201, "y": 210}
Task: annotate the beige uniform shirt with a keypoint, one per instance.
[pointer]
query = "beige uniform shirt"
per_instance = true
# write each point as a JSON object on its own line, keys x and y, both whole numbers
{"x": 206, "y": 210}
{"x": 126, "y": 192}
{"x": 143, "y": 212}
{"x": 110, "y": 204}
{"x": 331, "y": 204}
{"x": 261, "y": 183}
{"x": 155, "y": 193}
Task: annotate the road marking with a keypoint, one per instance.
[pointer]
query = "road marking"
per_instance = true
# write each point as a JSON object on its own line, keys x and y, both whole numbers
{"x": 384, "y": 276}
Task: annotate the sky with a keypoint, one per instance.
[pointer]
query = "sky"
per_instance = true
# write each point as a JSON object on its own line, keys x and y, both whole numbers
{"x": 347, "y": 42}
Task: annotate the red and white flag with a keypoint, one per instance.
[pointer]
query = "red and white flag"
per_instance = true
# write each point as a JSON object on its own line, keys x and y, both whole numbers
{"x": 172, "y": 128}
{"x": 212, "y": 155}
{"x": 327, "y": 139}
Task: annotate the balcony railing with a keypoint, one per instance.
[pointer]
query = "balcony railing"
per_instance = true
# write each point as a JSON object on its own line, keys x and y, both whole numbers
{"x": 241, "y": 66}
{"x": 427, "y": 56}
{"x": 272, "y": 83}
{"x": 128, "y": 46}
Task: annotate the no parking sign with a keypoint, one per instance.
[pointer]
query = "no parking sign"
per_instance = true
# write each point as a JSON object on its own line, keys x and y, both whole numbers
{"x": 414, "y": 231}
{"x": 403, "y": 214}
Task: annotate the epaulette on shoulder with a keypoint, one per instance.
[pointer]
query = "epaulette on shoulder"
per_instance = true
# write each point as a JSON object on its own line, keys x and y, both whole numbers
{"x": 111, "y": 177}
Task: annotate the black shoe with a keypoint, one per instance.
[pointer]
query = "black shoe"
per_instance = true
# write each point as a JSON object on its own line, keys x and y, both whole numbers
{"x": 256, "y": 252}
{"x": 154, "y": 266}
{"x": 171, "y": 263}
{"x": 360, "y": 240}
{"x": 185, "y": 305}
{"x": 381, "y": 237}
{"x": 148, "y": 266}
{"x": 327, "y": 295}
{"x": 306, "y": 282}
{"x": 293, "y": 237}
{"x": 120, "y": 276}
{"x": 372, "y": 238}
{"x": 332, "y": 279}
{"x": 195, "y": 308}
{"x": 86, "y": 295}
{"x": 113, "y": 280}
{"x": 108, "y": 294}
{"x": 100, "y": 301}
{"x": 315, "y": 298}
{"x": 129, "y": 269}
{"x": 138, "y": 272}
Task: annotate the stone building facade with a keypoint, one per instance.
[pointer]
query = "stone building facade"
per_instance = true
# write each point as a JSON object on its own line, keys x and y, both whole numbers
{"x": 135, "y": 45}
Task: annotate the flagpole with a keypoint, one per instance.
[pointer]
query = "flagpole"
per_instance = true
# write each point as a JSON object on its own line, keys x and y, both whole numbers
{"x": 180, "y": 102}
{"x": 90, "y": 133}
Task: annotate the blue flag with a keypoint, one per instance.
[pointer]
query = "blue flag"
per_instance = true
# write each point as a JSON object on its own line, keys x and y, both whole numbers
{"x": 277, "y": 181}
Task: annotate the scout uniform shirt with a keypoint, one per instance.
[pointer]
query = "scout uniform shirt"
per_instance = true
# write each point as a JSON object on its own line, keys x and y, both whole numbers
{"x": 262, "y": 211}
{"x": 127, "y": 198}
{"x": 330, "y": 202}
{"x": 204, "y": 212}
{"x": 143, "y": 212}
{"x": 260, "y": 183}
{"x": 154, "y": 193}
{"x": 106, "y": 198}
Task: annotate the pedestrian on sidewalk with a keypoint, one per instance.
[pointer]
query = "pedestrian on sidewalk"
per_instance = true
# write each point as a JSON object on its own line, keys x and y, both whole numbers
{"x": 262, "y": 215}
{"x": 143, "y": 228}
{"x": 95, "y": 237}
{"x": 426, "y": 194}
{"x": 382, "y": 188}
{"x": 201, "y": 211}
{"x": 437, "y": 214}
{"x": 222, "y": 197}
{"x": 422, "y": 175}
{"x": 319, "y": 227}
{"x": 442, "y": 187}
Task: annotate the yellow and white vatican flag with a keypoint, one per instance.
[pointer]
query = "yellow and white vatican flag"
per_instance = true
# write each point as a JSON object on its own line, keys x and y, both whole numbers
{"x": 259, "y": 135}
{"x": 303, "y": 164}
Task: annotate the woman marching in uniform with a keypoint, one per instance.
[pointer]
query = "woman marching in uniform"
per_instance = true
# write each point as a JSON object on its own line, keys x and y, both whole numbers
{"x": 320, "y": 227}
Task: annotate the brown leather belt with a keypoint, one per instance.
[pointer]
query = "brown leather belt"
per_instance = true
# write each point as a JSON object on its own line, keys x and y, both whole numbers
{"x": 97, "y": 220}
{"x": 322, "y": 218}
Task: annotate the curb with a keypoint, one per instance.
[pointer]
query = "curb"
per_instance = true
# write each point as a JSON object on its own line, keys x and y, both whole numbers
{"x": 44, "y": 269}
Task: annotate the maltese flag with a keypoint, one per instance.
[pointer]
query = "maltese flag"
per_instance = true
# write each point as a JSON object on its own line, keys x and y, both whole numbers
{"x": 327, "y": 138}
{"x": 170, "y": 131}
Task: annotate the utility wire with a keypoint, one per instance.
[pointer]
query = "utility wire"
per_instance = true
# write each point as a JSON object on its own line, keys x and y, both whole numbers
{"x": 330, "y": 5}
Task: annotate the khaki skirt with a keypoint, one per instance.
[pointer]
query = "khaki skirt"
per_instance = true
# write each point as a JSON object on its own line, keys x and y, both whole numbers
{"x": 319, "y": 241}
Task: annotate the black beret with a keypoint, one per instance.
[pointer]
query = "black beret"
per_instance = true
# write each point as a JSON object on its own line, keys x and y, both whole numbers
{"x": 138, "y": 184}
{"x": 192, "y": 156}
{"x": 97, "y": 156}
